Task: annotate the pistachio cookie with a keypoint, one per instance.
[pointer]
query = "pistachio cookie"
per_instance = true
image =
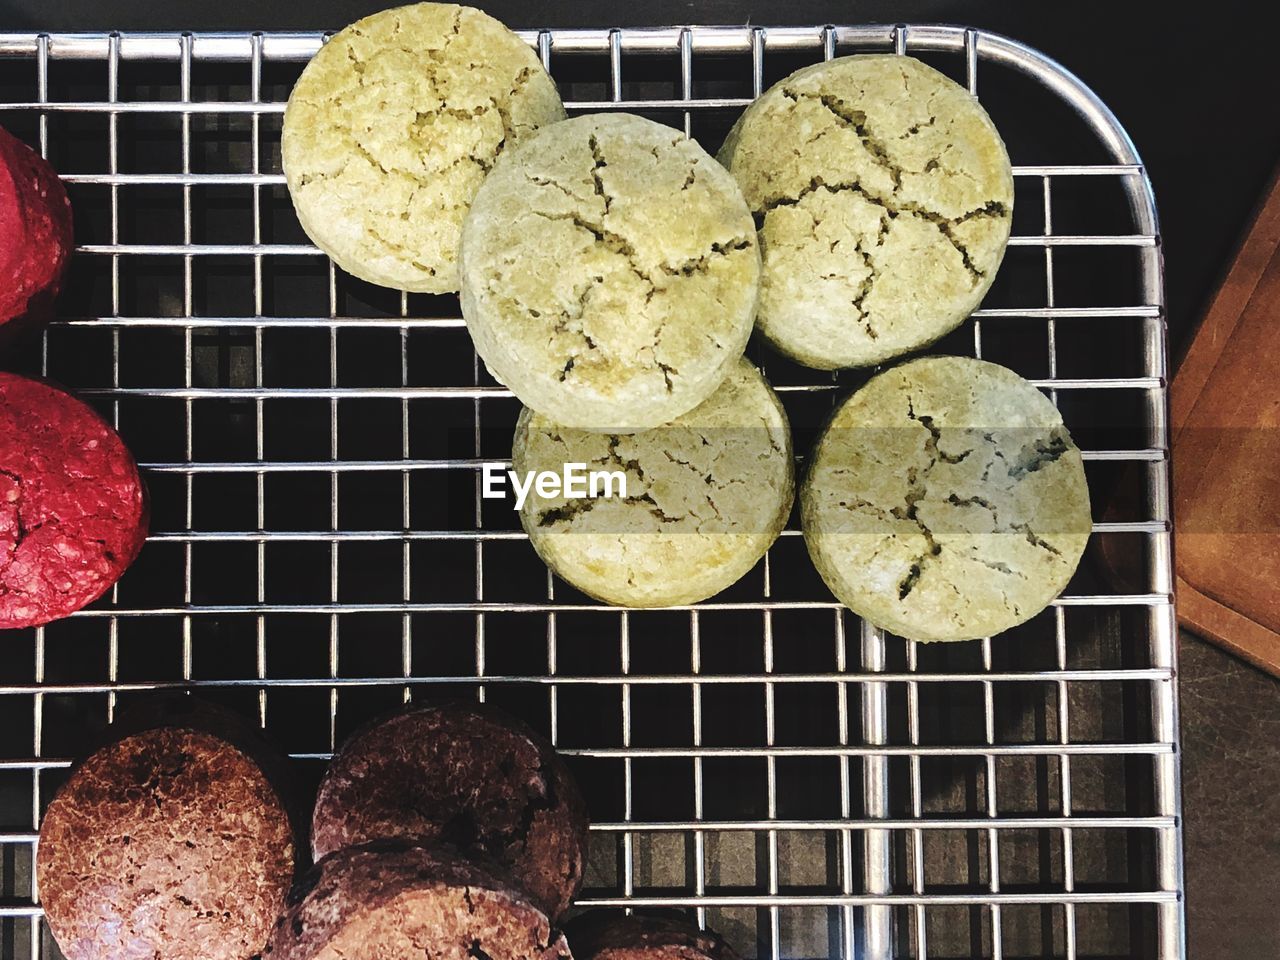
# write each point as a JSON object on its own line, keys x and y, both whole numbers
{"x": 946, "y": 500}
{"x": 393, "y": 125}
{"x": 609, "y": 270}
{"x": 884, "y": 197}
{"x": 705, "y": 496}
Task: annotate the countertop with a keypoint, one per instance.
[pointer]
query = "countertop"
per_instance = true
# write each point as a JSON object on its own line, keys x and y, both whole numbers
{"x": 1196, "y": 88}
{"x": 1231, "y": 799}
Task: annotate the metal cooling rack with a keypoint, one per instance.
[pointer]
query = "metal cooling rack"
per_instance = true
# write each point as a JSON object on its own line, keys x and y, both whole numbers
{"x": 320, "y": 551}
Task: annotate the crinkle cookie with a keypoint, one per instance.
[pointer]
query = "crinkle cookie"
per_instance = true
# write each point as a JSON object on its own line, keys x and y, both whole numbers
{"x": 170, "y": 842}
{"x": 466, "y": 774}
{"x": 606, "y": 935}
{"x": 35, "y": 236}
{"x": 884, "y": 196}
{"x": 609, "y": 271}
{"x": 946, "y": 500}
{"x": 73, "y": 508}
{"x": 705, "y": 497}
{"x": 393, "y": 125}
{"x": 393, "y": 900}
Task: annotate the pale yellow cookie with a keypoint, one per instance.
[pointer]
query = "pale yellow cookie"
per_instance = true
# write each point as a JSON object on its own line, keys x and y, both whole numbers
{"x": 609, "y": 272}
{"x": 946, "y": 500}
{"x": 706, "y": 495}
{"x": 393, "y": 125}
{"x": 884, "y": 196}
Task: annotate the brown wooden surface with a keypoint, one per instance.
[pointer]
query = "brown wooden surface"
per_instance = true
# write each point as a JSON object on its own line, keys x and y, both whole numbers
{"x": 1226, "y": 464}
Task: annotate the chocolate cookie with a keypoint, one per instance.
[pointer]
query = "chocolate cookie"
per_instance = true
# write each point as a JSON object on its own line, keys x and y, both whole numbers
{"x": 392, "y": 899}
{"x": 466, "y": 774}
{"x": 168, "y": 842}
{"x": 605, "y": 935}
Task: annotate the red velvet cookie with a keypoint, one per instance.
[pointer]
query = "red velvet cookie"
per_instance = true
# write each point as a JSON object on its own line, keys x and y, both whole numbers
{"x": 35, "y": 235}
{"x": 73, "y": 511}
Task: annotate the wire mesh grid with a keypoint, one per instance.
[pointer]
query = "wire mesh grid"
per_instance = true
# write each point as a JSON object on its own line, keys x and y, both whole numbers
{"x": 321, "y": 552}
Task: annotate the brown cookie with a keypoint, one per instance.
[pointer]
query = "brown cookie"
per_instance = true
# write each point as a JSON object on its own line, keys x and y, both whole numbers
{"x": 466, "y": 774}
{"x": 168, "y": 842}
{"x": 605, "y": 935}
{"x": 390, "y": 898}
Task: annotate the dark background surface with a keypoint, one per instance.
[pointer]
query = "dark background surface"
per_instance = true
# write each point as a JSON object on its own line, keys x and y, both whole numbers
{"x": 1197, "y": 88}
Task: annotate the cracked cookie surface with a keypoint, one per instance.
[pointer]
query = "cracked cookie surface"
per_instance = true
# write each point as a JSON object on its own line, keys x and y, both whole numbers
{"x": 167, "y": 843}
{"x": 706, "y": 495}
{"x": 35, "y": 236}
{"x": 393, "y": 899}
{"x": 946, "y": 500}
{"x": 467, "y": 774}
{"x": 392, "y": 127}
{"x": 609, "y": 272}
{"x": 73, "y": 511}
{"x": 884, "y": 197}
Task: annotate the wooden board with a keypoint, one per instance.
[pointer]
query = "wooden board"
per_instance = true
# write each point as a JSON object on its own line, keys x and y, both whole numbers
{"x": 1226, "y": 455}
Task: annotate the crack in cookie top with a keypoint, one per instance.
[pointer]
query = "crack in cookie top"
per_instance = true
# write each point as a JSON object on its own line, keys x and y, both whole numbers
{"x": 169, "y": 842}
{"x": 391, "y": 129}
{"x": 73, "y": 508}
{"x": 705, "y": 497}
{"x": 946, "y": 500}
{"x": 884, "y": 197}
{"x": 609, "y": 271}
{"x": 395, "y": 898}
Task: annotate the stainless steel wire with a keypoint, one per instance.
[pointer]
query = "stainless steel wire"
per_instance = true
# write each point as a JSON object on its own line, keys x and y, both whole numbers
{"x": 881, "y": 898}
